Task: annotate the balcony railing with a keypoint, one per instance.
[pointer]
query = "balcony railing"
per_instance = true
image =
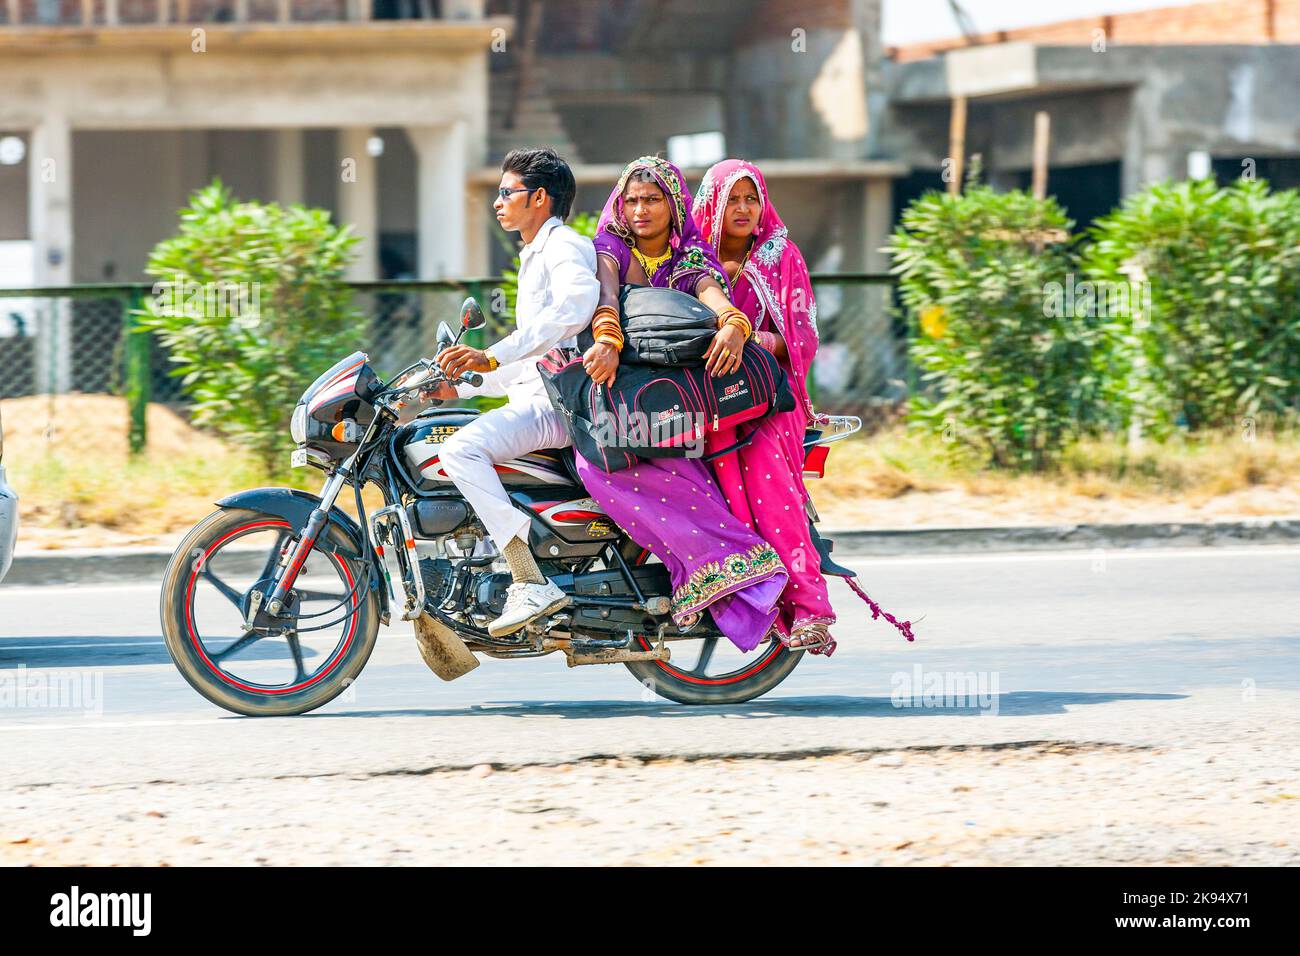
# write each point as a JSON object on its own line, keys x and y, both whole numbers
{"x": 97, "y": 13}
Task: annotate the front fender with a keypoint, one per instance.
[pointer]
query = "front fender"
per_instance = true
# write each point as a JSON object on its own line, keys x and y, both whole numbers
{"x": 295, "y": 507}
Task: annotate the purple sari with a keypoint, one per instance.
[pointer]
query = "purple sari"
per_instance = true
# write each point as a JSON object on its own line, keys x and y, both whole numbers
{"x": 672, "y": 506}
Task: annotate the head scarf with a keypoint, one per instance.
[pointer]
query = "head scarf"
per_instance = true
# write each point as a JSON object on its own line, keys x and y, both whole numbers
{"x": 773, "y": 288}
{"x": 691, "y": 257}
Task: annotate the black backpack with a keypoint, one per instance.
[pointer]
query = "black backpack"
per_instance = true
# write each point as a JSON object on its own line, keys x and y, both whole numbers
{"x": 659, "y": 412}
{"x": 660, "y": 327}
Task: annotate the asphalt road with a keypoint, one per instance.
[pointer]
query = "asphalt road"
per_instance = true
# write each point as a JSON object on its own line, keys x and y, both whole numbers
{"x": 1143, "y": 706}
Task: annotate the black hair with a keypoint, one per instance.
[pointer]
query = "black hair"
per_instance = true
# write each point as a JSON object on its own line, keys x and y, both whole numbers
{"x": 544, "y": 169}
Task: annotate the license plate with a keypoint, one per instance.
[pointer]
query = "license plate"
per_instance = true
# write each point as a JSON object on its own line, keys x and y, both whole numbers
{"x": 299, "y": 458}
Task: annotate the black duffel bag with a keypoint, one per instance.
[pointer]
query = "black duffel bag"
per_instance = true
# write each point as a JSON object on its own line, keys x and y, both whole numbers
{"x": 661, "y": 412}
{"x": 660, "y": 327}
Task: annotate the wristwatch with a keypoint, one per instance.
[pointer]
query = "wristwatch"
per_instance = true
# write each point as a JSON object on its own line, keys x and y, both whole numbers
{"x": 492, "y": 360}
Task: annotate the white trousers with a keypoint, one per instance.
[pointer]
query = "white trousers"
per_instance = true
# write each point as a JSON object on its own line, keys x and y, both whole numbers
{"x": 503, "y": 433}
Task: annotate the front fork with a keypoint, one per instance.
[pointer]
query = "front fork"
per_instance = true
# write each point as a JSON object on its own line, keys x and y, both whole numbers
{"x": 310, "y": 532}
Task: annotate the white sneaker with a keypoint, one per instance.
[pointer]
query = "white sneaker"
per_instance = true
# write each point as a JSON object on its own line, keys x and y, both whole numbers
{"x": 525, "y": 603}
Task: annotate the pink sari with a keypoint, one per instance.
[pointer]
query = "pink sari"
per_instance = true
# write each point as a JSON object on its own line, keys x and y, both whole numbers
{"x": 763, "y": 482}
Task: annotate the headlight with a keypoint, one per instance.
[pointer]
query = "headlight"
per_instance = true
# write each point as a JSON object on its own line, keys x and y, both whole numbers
{"x": 298, "y": 424}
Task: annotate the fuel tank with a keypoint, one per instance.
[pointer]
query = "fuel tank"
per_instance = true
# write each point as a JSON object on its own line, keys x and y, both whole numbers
{"x": 417, "y": 446}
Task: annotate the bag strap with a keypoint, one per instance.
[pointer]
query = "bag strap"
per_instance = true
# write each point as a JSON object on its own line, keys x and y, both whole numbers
{"x": 734, "y": 446}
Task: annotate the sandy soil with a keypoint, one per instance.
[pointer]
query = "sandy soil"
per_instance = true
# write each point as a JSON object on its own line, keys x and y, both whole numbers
{"x": 93, "y": 429}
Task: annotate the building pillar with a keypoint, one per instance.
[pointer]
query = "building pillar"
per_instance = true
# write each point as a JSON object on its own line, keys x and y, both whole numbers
{"x": 49, "y": 217}
{"x": 442, "y": 201}
{"x": 878, "y": 218}
{"x": 358, "y": 200}
{"x": 286, "y": 166}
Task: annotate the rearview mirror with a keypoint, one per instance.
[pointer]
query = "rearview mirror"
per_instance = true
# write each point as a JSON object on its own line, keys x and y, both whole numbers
{"x": 445, "y": 335}
{"x": 471, "y": 316}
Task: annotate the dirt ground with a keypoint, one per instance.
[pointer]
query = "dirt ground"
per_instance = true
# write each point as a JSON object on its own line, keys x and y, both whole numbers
{"x": 1039, "y": 803}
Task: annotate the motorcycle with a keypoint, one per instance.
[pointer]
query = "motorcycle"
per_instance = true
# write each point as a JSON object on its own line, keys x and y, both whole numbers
{"x": 271, "y": 605}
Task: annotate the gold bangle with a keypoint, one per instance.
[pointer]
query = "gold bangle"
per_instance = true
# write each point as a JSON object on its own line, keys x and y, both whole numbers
{"x": 735, "y": 315}
{"x": 741, "y": 323}
{"x": 610, "y": 340}
{"x": 492, "y": 360}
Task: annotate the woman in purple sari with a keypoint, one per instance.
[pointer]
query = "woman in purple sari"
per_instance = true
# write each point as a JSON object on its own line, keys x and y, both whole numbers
{"x": 673, "y": 506}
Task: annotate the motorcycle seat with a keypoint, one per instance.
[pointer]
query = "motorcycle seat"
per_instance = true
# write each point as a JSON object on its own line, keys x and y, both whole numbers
{"x": 565, "y": 456}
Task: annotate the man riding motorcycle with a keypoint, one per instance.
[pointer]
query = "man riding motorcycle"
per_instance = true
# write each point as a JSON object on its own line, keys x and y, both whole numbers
{"x": 557, "y": 295}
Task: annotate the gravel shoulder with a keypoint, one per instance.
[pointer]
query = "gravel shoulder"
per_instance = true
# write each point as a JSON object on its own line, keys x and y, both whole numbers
{"x": 1205, "y": 778}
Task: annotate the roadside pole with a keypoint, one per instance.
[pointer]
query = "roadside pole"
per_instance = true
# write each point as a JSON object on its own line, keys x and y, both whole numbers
{"x": 136, "y": 349}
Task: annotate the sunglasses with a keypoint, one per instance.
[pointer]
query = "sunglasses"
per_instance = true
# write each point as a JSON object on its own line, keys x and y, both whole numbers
{"x": 505, "y": 194}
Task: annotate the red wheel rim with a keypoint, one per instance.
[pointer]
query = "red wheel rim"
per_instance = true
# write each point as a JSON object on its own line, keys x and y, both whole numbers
{"x": 196, "y": 643}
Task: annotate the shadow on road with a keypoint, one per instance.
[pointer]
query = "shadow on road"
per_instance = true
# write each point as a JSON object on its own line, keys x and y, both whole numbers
{"x": 1018, "y": 704}
{"x": 79, "y": 651}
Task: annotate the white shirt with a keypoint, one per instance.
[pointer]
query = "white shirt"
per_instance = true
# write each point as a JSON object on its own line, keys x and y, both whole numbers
{"x": 558, "y": 292}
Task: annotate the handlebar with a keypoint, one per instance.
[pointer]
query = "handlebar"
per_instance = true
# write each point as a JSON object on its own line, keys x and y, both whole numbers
{"x": 394, "y": 394}
{"x": 833, "y": 428}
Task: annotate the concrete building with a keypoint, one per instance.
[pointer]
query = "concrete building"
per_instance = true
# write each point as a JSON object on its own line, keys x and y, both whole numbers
{"x": 1133, "y": 98}
{"x": 123, "y": 108}
{"x": 394, "y": 114}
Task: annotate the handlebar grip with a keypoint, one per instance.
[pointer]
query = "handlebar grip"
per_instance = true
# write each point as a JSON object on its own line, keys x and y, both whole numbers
{"x": 473, "y": 379}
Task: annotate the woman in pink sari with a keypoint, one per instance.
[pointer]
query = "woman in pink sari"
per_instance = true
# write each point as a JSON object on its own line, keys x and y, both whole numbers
{"x": 763, "y": 482}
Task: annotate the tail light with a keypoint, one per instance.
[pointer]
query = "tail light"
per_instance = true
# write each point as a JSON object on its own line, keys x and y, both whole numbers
{"x": 814, "y": 462}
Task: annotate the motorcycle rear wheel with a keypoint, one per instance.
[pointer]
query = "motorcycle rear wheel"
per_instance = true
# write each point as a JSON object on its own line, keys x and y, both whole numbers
{"x": 772, "y": 664}
{"x": 199, "y": 660}
{"x": 701, "y": 682}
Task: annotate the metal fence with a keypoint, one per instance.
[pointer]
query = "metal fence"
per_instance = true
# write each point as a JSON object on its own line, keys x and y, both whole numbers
{"x": 73, "y": 340}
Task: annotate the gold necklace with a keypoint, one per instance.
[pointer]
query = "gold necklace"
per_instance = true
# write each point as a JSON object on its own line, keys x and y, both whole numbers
{"x": 740, "y": 269}
{"x": 649, "y": 265}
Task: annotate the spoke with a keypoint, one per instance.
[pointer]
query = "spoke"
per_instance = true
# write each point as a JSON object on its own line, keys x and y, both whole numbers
{"x": 273, "y": 558}
{"x": 231, "y": 595}
{"x": 320, "y": 596}
{"x": 239, "y": 644}
{"x": 295, "y": 648}
{"x": 706, "y": 654}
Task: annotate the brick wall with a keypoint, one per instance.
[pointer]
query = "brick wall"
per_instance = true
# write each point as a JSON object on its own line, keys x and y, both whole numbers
{"x": 1226, "y": 21}
{"x": 777, "y": 18}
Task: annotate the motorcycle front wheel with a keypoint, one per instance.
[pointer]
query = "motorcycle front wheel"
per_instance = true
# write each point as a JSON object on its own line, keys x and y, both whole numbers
{"x": 205, "y": 600}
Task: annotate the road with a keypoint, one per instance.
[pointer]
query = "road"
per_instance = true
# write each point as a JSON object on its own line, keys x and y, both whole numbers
{"x": 1143, "y": 707}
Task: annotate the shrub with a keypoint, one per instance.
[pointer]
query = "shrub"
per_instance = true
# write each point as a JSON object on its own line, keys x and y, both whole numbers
{"x": 1222, "y": 337}
{"x": 1005, "y": 374}
{"x": 252, "y": 306}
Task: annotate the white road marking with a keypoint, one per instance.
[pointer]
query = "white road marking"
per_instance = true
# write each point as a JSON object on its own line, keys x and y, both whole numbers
{"x": 57, "y": 589}
{"x": 1079, "y": 554}
{"x": 119, "y": 724}
{"x": 94, "y": 644}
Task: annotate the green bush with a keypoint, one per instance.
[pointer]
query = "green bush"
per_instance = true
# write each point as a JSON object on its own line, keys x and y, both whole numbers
{"x": 252, "y": 306}
{"x": 1006, "y": 376}
{"x": 1221, "y": 337}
